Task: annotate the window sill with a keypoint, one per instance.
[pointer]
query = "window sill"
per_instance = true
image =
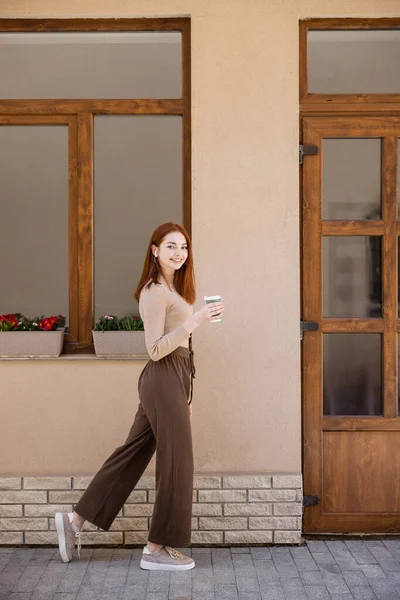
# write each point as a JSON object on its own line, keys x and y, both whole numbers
{"x": 73, "y": 357}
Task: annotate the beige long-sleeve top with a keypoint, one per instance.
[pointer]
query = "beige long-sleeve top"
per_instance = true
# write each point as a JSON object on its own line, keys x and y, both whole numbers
{"x": 167, "y": 318}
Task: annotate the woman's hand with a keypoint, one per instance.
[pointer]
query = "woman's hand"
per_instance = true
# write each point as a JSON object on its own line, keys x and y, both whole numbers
{"x": 209, "y": 312}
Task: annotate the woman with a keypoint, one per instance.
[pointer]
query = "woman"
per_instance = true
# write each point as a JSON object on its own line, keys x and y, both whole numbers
{"x": 166, "y": 294}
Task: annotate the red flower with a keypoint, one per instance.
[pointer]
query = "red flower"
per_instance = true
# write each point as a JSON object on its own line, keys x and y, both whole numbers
{"x": 10, "y": 318}
{"x": 135, "y": 318}
{"x": 47, "y": 324}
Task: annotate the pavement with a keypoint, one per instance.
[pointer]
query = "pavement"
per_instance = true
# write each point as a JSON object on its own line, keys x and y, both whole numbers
{"x": 339, "y": 570}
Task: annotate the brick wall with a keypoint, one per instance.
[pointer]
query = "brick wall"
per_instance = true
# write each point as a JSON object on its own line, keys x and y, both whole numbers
{"x": 227, "y": 509}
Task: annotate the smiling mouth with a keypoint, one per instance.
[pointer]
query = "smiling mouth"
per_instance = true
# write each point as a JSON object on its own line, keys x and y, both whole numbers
{"x": 176, "y": 259}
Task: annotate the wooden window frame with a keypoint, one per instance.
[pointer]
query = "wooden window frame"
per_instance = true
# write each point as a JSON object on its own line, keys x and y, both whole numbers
{"x": 78, "y": 115}
{"x": 313, "y": 103}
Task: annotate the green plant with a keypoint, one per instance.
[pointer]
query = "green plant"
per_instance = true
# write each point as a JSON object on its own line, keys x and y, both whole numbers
{"x": 113, "y": 323}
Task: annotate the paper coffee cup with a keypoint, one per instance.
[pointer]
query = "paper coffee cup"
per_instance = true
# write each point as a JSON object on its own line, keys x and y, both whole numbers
{"x": 208, "y": 300}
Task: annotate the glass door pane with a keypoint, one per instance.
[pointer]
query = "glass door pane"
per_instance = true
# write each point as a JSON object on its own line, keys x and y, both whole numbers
{"x": 352, "y": 282}
{"x": 352, "y": 373}
{"x": 351, "y": 179}
{"x": 354, "y": 62}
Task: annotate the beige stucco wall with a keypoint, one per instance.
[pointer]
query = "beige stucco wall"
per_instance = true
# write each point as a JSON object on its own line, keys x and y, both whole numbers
{"x": 67, "y": 416}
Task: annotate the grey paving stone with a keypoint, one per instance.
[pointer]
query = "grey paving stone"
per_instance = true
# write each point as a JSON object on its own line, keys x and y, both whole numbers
{"x": 382, "y": 587}
{"x": 202, "y": 582}
{"x": 380, "y": 552}
{"x": 287, "y": 571}
{"x": 393, "y": 577}
{"x": 373, "y": 543}
{"x": 293, "y": 589}
{"x": 321, "y": 570}
{"x": 331, "y": 573}
{"x": 305, "y": 564}
{"x": 73, "y": 577}
{"x": 324, "y": 558}
{"x": 347, "y": 563}
{"x": 373, "y": 571}
{"x": 226, "y": 592}
{"x": 316, "y": 592}
{"x": 355, "y": 578}
{"x": 336, "y": 546}
{"x": 134, "y": 592}
{"x": 317, "y": 546}
{"x": 87, "y": 594}
{"x": 205, "y": 596}
{"x": 250, "y": 596}
{"x": 364, "y": 558}
{"x": 312, "y": 578}
{"x": 224, "y": 575}
{"x": 266, "y": 572}
{"x": 29, "y": 579}
{"x": 389, "y": 564}
{"x": 260, "y": 553}
{"x": 180, "y": 585}
{"x": 272, "y": 593}
{"x": 242, "y": 560}
{"x": 203, "y": 562}
{"x": 158, "y": 581}
{"x": 337, "y": 587}
{"x": 362, "y": 593}
{"x": 247, "y": 580}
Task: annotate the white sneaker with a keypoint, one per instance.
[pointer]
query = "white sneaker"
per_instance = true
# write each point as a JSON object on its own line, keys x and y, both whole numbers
{"x": 68, "y": 533}
{"x": 165, "y": 559}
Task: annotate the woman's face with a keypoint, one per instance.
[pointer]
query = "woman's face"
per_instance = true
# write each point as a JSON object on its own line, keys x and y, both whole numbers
{"x": 172, "y": 252}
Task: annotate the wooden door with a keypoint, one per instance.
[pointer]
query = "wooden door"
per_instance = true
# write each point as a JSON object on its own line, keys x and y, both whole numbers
{"x": 350, "y": 229}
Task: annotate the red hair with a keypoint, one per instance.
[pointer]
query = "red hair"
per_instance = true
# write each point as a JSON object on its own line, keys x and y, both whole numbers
{"x": 184, "y": 280}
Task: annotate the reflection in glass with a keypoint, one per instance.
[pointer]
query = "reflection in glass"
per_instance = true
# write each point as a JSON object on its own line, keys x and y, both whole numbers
{"x": 352, "y": 379}
{"x": 120, "y": 65}
{"x": 34, "y": 218}
{"x": 351, "y": 179}
{"x": 137, "y": 186}
{"x": 352, "y": 281}
{"x": 354, "y": 62}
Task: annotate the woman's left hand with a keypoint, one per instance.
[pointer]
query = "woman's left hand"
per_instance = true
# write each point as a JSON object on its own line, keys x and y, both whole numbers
{"x": 190, "y": 410}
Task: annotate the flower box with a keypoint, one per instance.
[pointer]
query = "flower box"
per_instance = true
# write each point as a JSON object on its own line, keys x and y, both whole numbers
{"x": 31, "y": 344}
{"x": 120, "y": 344}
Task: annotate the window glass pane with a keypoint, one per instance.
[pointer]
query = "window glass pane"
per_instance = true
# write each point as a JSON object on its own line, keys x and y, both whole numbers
{"x": 352, "y": 282}
{"x": 354, "y": 62}
{"x": 398, "y": 375}
{"x": 91, "y": 65}
{"x": 137, "y": 186}
{"x": 34, "y": 218}
{"x": 352, "y": 374}
{"x": 398, "y": 175}
{"x": 351, "y": 179}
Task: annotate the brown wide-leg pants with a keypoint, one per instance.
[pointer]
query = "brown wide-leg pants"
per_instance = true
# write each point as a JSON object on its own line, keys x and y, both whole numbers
{"x": 161, "y": 424}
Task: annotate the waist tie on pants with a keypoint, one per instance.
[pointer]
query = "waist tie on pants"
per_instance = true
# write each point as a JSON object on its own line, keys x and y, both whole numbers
{"x": 192, "y": 368}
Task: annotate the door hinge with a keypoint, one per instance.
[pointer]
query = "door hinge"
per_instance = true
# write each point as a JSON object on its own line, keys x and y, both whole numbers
{"x": 307, "y": 326}
{"x": 306, "y": 151}
{"x": 310, "y": 500}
